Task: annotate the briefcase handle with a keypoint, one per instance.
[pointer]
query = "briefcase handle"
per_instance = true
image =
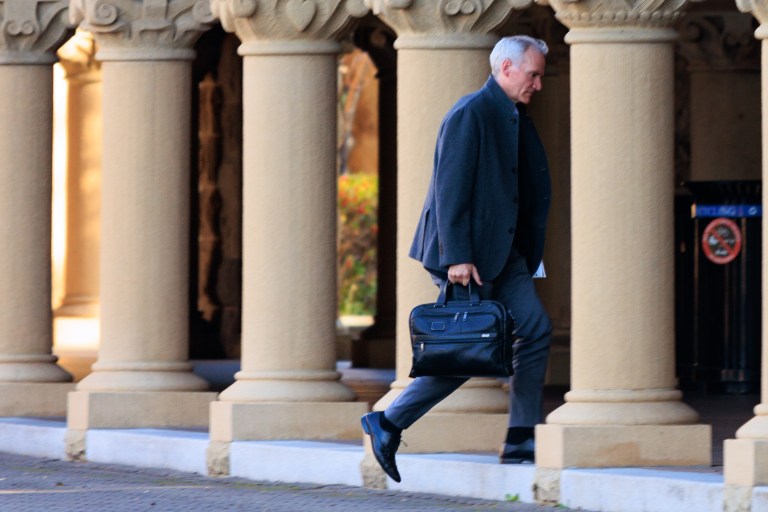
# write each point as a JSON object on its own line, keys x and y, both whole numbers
{"x": 474, "y": 295}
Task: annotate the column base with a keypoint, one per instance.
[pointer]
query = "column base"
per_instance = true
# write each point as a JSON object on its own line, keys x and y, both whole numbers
{"x": 242, "y": 421}
{"x": 455, "y": 432}
{"x": 746, "y": 462}
{"x": 592, "y": 446}
{"x": 34, "y": 398}
{"x": 172, "y": 380}
{"x": 290, "y": 386}
{"x": 121, "y": 409}
{"x": 33, "y": 368}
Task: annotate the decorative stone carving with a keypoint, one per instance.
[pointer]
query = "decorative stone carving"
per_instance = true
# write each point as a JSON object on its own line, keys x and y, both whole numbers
{"x": 167, "y": 28}
{"x": 261, "y": 21}
{"x": 722, "y": 41}
{"x": 618, "y": 13}
{"x": 411, "y": 18}
{"x": 31, "y": 30}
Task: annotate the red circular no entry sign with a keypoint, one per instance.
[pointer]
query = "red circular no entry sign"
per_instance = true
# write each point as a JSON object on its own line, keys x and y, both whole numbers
{"x": 721, "y": 241}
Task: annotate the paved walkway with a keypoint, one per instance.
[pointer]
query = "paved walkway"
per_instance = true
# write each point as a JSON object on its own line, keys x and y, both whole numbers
{"x": 30, "y": 484}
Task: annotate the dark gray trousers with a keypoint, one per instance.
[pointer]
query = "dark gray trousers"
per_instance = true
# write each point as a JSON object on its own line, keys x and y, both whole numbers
{"x": 514, "y": 288}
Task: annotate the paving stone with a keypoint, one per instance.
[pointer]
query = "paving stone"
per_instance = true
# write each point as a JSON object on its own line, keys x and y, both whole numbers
{"x": 30, "y": 484}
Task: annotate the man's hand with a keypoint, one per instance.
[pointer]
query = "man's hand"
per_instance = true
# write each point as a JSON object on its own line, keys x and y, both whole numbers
{"x": 462, "y": 272}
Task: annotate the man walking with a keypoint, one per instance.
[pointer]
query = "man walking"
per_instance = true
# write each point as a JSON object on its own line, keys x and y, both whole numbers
{"x": 484, "y": 220}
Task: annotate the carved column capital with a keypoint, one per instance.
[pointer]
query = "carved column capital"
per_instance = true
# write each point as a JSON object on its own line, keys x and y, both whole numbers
{"x": 758, "y": 9}
{"x": 619, "y": 20}
{"x": 32, "y": 30}
{"x": 143, "y": 29}
{"x": 719, "y": 41}
{"x": 445, "y": 23}
{"x": 291, "y": 26}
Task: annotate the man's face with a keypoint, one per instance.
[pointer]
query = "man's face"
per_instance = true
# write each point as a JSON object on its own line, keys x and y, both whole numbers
{"x": 521, "y": 81}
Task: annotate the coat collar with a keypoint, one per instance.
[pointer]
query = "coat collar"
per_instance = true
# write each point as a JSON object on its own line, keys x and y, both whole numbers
{"x": 500, "y": 97}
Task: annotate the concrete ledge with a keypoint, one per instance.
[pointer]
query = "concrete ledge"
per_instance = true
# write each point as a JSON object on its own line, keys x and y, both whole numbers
{"x": 149, "y": 448}
{"x": 297, "y": 461}
{"x": 760, "y": 499}
{"x": 642, "y": 490}
{"x": 455, "y": 474}
{"x": 682, "y": 489}
{"x": 33, "y": 437}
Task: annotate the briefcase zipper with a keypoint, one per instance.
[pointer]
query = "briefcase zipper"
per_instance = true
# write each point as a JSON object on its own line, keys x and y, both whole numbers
{"x": 456, "y": 320}
{"x": 421, "y": 339}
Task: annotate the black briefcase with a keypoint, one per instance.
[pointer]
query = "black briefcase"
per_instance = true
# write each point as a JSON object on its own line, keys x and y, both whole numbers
{"x": 467, "y": 338}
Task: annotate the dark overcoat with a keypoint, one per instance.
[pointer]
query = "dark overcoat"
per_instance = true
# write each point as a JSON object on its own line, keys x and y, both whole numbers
{"x": 490, "y": 188}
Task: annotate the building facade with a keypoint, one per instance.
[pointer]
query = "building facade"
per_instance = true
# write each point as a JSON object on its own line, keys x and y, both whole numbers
{"x": 639, "y": 96}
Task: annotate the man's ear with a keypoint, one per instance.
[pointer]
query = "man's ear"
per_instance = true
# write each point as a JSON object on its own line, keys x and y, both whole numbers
{"x": 506, "y": 66}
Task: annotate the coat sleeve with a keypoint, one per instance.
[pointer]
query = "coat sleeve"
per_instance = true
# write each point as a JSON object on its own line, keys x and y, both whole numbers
{"x": 455, "y": 171}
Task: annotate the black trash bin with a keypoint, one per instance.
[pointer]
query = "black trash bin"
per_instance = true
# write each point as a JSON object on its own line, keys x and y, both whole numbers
{"x": 718, "y": 285}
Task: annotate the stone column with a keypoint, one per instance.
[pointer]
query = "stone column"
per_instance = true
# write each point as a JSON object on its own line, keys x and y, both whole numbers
{"x": 143, "y": 376}
{"x": 31, "y": 383}
{"x": 442, "y": 55}
{"x": 623, "y": 408}
{"x": 81, "y": 276}
{"x": 746, "y": 457}
{"x": 724, "y": 62}
{"x": 288, "y": 387}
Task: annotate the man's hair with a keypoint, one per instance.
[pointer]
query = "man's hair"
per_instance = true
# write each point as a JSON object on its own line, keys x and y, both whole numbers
{"x": 513, "y": 48}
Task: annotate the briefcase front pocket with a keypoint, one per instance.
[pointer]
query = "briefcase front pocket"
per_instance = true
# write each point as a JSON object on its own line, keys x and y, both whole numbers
{"x": 439, "y": 323}
{"x": 458, "y": 355}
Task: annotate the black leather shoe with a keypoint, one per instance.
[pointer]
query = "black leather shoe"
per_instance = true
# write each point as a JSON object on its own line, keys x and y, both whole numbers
{"x": 521, "y": 453}
{"x": 384, "y": 443}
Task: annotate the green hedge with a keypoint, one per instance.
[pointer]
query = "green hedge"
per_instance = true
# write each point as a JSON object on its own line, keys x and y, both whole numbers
{"x": 358, "y": 227}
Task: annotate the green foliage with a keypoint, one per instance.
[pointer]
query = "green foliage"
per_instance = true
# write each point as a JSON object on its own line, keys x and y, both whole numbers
{"x": 512, "y": 497}
{"x": 358, "y": 227}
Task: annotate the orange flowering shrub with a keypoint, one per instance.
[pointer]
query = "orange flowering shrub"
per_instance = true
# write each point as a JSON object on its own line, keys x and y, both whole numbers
{"x": 358, "y": 227}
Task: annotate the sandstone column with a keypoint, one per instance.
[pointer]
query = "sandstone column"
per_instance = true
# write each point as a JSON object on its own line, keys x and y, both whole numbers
{"x": 442, "y": 55}
{"x": 143, "y": 376}
{"x": 288, "y": 386}
{"x": 746, "y": 457}
{"x": 31, "y": 383}
{"x": 724, "y": 61}
{"x": 81, "y": 276}
{"x": 623, "y": 408}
